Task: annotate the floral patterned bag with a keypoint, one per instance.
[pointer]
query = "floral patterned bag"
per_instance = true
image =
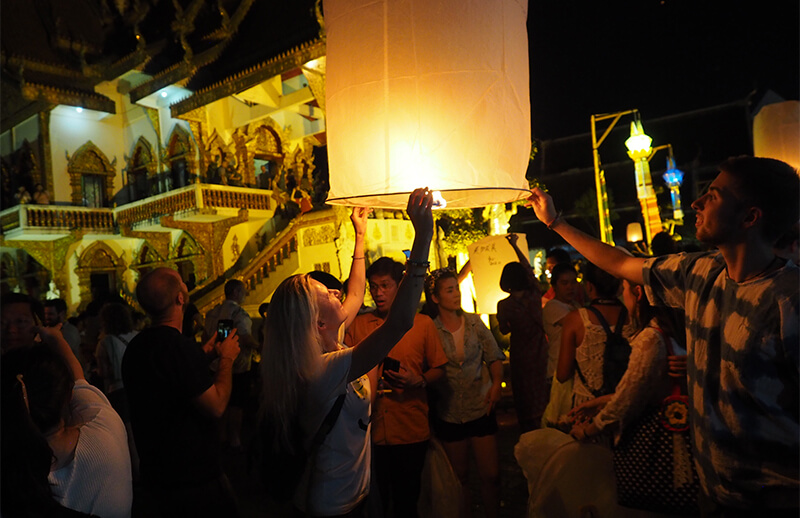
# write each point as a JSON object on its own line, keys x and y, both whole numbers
{"x": 653, "y": 461}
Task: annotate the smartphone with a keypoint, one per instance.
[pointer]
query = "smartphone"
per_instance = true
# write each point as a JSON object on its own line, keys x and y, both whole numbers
{"x": 390, "y": 364}
{"x": 224, "y": 327}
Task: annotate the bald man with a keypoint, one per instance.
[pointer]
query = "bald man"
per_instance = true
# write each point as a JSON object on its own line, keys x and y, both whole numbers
{"x": 175, "y": 400}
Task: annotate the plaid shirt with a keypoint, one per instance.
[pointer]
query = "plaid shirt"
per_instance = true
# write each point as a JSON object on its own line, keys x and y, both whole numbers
{"x": 464, "y": 388}
{"x": 744, "y": 389}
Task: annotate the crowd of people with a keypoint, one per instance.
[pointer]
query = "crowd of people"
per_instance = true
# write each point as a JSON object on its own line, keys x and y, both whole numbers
{"x": 702, "y": 348}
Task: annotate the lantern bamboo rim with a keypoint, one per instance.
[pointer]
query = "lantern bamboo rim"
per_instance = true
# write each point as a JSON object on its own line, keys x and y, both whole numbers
{"x": 399, "y": 199}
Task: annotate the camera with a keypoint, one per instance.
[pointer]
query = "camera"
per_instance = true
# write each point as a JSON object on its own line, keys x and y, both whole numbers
{"x": 224, "y": 328}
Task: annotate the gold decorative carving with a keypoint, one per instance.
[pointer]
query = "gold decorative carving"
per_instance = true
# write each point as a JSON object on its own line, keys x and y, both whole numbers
{"x": 146, "y": 256}
{"x": 268, "y": 139}
{"x": 152, "y": 114}
{"x": 54, "y": 217}
{"x": 319, "y": 235}
{"x": 315, "y": 74}
{"x": 189, "y": 249}
{"x": 47, "y": 159}
{"x": 159, "y": 242}
{"x": 180, "y": 147}
{"x": 89, "y": 160}
{"x": 51, "y": 254}
{"x": 288, "y": 60}
{"x": 143, "y": 156}
{"x": 210, "y": 236}
{"x": 52, "y": 95}
{"x": 10, "y": 220}
{"x": 229, "y": 198}
{"x": 235, "y": 250}
{"x": 169, "y": 203}
{"x": 200, "y": 136}
{"x": 97, "y": 258}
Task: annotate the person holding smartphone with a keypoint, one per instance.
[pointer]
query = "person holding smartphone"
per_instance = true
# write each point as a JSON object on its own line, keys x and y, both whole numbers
{"x": 175, "y": 402}
{"x": 400, "y": 429}
{"x": 227, "y": 315}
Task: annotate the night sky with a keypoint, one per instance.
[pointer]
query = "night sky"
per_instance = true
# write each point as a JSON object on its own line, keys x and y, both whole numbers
{"x": 662, "y": 57}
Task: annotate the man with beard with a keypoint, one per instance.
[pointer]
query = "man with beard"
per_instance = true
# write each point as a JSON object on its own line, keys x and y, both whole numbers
{"x": 741, "y": 303}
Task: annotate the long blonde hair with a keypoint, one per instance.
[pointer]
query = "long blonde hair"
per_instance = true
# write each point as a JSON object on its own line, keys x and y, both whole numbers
{"x": 292, "y": 352}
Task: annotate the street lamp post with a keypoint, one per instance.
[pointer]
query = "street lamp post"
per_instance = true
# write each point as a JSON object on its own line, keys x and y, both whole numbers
{"x": 640, "y": 151}
{"x": 606, "y": 230}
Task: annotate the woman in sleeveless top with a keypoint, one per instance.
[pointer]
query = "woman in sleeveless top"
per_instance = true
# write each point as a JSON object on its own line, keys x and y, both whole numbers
{"x": 583, "y": 339}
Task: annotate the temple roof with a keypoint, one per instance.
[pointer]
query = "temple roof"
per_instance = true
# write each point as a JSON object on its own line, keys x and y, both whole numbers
{"x": 58, "y": 51}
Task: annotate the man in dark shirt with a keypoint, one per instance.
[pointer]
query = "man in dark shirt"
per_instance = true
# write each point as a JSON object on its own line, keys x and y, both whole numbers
{"x": 175, "y": 401}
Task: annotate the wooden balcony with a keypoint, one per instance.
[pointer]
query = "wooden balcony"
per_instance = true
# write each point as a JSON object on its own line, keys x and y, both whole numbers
{"x": 54, "y": 219}
{"x": 49, "y": 219}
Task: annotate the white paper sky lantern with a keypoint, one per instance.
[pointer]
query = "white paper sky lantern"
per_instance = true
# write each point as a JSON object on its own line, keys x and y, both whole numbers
{"x": 776, "y": 132}
{"x": 427, "y": 93}
{"x": 488, "y": 257}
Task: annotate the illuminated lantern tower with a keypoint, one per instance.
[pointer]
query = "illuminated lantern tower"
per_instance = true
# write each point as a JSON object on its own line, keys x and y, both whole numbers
{"x": 673, "y": 178}
{"x": 639, "y": 150}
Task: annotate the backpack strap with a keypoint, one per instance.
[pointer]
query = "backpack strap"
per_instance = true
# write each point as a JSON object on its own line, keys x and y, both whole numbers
{"x": 595, "y": 393}
{"x": 330, "y": 420}
{"x": 623, "y": 316}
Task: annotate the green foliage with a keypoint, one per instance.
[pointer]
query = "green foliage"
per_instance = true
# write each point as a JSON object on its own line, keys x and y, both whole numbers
{"x": 461, "y": 227}
{"x": 586, "y": 208}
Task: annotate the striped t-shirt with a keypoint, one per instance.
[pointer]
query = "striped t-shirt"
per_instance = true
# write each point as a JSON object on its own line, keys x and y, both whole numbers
{"x": 743, "y": 343}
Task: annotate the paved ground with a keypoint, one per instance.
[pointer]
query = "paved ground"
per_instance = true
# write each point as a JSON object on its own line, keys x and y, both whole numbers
{"x": 514, "y": 492}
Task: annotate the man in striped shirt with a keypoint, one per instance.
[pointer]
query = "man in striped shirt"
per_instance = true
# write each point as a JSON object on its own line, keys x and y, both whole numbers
{"x": 742, "y": 318}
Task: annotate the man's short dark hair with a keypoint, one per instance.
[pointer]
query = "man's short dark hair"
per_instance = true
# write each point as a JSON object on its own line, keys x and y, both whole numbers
{"x": 386, "y": 266}
{"x": 772, "y": 186}
{"x": 20, "y": 298}
{"x": 663, "y": 244}
{"x": 60, "y": 305}
{"x": 607, "y": 285}
{"x": 559, "y": 270}
{"x": 560, "y": 255}
{"x": 788, "y": 237}
{"x": 233, "y": 288}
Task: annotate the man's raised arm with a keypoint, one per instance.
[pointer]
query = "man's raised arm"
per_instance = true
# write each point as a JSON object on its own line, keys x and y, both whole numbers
{"x": 606, "y": 257}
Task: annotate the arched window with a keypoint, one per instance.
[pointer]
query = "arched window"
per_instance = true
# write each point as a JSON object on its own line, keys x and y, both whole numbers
{"x": 91, "y": 177}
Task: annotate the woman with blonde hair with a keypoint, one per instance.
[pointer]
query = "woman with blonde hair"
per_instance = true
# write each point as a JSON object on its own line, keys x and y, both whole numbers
{"x": 305, "y": 370}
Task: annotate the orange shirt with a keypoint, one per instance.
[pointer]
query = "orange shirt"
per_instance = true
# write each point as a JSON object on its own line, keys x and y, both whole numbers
{"x": 401, "y": 417}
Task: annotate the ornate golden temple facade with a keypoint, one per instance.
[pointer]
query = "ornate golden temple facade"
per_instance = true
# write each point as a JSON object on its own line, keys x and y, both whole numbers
{"x": 186, "y": 134}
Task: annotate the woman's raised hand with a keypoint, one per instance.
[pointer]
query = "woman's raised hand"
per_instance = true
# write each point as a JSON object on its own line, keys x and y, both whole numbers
{"x": 419, "y": 211}
{"x": 359, "y": 219}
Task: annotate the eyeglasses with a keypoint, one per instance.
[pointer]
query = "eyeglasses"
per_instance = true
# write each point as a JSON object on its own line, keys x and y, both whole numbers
{"x": 382, "y": 287}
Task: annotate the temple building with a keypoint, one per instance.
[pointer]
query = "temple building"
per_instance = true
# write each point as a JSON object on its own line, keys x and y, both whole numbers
{"x": 189, "y": 134}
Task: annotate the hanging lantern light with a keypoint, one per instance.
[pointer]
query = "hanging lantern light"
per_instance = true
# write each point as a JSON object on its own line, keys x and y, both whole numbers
{"x": 427, "y": 93}
{"x": 776, "y": 132}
